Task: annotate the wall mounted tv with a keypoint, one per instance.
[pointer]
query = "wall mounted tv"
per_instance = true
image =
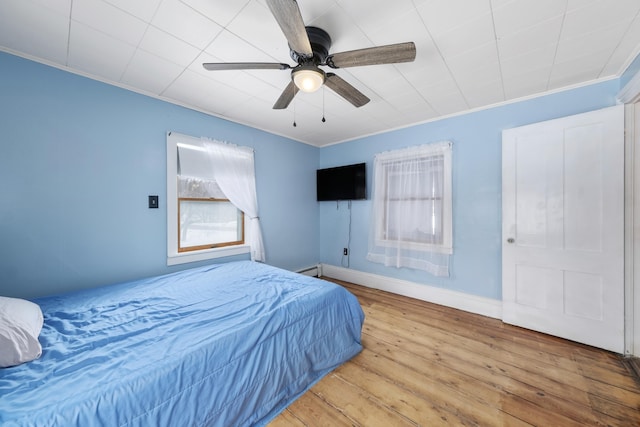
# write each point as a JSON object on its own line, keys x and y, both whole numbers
{"x": 342, "y": 183}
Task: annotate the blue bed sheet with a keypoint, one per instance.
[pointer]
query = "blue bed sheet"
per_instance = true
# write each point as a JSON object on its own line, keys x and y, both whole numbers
{"x": 222, "y": 345}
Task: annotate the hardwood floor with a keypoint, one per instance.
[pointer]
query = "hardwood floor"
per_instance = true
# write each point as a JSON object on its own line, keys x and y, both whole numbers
{"x": 428, "y": 365}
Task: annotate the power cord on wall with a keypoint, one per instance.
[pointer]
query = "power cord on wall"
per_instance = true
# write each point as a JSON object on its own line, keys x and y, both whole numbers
{"x": 346, "y": 252}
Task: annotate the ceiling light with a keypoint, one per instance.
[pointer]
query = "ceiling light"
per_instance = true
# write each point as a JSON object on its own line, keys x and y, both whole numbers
{"x": 308, "y": 79}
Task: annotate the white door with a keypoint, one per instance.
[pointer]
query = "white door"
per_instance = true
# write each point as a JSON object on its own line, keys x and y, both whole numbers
{"x": 562, "y": 227}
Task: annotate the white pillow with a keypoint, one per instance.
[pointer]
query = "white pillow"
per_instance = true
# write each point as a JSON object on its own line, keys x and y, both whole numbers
{"x": 20, "y": 324}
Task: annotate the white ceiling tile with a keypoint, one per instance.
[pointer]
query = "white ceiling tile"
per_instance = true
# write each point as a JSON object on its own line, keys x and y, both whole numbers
{"x": 584, "y": 45}
{"x": 219, "y": 11}
{"x": 138, "y": 74}
{"x": 625, "y": 52}
{"x": 524, "y": 63}
{"x": 205, "y": 93}
{"x": 598, "y": 15}
{"x": 429, "y": 66}
{"x": 480, "y": 64}
{"x": 578, "y": 70}
{"x": 408, "y": 101}
{"x": 188, "y": 88}
{"x": 441, "y": 89}
{"x": 403, "y": 28}
{"x": 531, "y": 38}
{"x": 577, "y": 4}
{"x": 472, "y": 34}
{"x": 96, "y": 53}
{"x": 533, "y": 82}
{"x": 144, "y": 10}
{"x": 516, "y": 16}
{"x": 61, "y": 7}
{"x": 166, "y": 46}
{"x": 373, "y": 16}
{"x": 398, "y": 87}
{"x": 256, "y": 26}
{"x": 109, "y": 19}
{"x": 149, "y": 44}
{"x": 383, "y": 112}
{"x": 231, "y": 48}
{"x": 441, "y": 16}
{"x": 379, "y": 79}
{"x": 449, "y": 104}
{"x": 415, "y": 116}
{"x": 259, "y": 114}
{"x": 485, "y": 94}
{"x": 18, "y": 19}
{"x": 312, "y": 11}
{"x": 183, "y": 22}
{"x": 249, "y": 84}
{"x": 497, "y": 3}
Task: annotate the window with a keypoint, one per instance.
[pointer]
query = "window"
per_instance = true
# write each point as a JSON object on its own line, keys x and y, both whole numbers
{"x": 202, "y": 223}
{"x": 206, "y": 218}
{"x": 411, "y": 217}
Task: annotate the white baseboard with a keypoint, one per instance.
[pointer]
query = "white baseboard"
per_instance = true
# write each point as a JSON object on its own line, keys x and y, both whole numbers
{"x": 459, "y": 300}
{"x": 313, "y": 271}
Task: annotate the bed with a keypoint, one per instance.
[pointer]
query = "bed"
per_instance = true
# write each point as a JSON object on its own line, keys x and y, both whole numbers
{"x": 222, "y": 345}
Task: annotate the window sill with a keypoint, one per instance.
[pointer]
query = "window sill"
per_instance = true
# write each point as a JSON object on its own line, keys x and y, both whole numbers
{"x": 185, "y": 257}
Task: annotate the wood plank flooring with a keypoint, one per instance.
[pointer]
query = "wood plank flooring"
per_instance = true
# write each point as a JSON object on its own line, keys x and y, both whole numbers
{"x": 428, "y": 365}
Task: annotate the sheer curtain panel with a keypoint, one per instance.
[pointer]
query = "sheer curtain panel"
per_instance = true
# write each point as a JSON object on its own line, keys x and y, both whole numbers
{"x": 234, "y": 172}
{"x": 411, "y": 222}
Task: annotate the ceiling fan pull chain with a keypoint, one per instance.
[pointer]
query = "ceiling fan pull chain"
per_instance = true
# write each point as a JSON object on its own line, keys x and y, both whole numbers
{"x": 294, "y": 112}
{"x": 323, "y": 119}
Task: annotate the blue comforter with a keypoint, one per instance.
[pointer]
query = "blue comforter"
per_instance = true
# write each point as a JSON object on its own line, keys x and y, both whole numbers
{"x": 222, "y": 345}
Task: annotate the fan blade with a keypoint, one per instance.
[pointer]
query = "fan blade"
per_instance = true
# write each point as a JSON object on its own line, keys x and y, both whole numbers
{"x": 290, "y": 20}
{"x": 345, "y": 90}
{"x": 212, "y": 66}
{"x": 389, "y": 54}
{"x": 287, "y": 96}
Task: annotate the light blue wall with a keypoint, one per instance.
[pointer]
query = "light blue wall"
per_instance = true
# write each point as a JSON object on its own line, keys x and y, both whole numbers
{"x": 476, "y": 262}
{"x": 78, "y": 159}
{"x": 631, "y": 71}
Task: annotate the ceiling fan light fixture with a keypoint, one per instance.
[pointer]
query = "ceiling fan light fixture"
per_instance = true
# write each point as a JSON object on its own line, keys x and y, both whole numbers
{"x": 308, "y": 79}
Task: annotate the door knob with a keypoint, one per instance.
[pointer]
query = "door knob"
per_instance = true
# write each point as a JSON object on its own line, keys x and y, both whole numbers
{"x": 511, "y": 240}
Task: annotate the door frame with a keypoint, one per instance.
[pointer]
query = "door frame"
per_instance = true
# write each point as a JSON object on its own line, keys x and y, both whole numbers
{"x": 630, "y": 96}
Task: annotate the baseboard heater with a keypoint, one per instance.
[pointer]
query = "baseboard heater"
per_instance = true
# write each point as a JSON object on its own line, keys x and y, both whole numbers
{"x": 313, "y": 271}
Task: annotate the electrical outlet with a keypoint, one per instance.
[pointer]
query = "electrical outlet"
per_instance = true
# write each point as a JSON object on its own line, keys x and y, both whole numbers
{"x": 345, "y": 251}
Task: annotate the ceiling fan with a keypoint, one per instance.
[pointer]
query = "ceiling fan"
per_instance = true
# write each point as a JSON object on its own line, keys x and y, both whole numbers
{"x": 309, "y": 47}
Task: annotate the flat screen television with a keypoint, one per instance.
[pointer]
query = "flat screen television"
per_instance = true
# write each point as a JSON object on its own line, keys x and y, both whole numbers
{"x": 342, "y": 183}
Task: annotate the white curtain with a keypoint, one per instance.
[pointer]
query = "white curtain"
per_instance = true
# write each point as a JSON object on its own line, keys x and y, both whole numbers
{"x": 411, "y": 221}
{"x": 234, "y": 172}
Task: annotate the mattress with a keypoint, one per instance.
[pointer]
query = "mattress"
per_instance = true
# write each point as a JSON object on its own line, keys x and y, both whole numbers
{"x": 223, "y": 345}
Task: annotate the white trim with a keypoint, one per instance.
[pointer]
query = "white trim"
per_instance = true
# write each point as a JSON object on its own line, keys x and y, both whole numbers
{"x": 313, "y": 271}
{"x": 635, "y": 286}
{"x": 475, "y": 110}
{"x": 184, "y": 257}
{"x": 629, "y": 220}
{"x": 631, "y": 91}
{"x": 454, "y": 299}
{"x": 173, "y": 256}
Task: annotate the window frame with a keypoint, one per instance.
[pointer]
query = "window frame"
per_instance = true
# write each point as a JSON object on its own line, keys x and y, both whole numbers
{"x": 174, "y": 256}
{"x": 445, "y": 246}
